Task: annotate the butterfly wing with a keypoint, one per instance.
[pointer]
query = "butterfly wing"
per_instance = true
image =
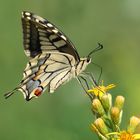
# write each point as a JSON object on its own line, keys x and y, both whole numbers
{"x": 40, "y": 35}
{"x": 43, "y": 73}
{"x": 52, "y": 57}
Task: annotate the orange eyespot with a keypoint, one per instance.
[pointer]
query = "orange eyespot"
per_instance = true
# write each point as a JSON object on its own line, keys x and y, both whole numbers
{"x": 38, "y": 92}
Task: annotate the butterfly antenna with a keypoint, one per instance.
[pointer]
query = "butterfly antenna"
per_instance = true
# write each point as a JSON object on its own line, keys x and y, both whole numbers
{"x": 99, "y": 47}
{"x": 8, "y": 94}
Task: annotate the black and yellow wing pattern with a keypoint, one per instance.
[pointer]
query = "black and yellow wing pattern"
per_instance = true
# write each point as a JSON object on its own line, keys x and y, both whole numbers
{"x": 53, "y": 59}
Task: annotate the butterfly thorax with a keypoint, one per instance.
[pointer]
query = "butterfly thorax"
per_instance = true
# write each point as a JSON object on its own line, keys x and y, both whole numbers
{"x": 81, "y": 66}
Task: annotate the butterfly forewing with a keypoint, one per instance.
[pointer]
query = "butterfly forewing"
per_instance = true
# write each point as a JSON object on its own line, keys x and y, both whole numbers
{"x": 40, "y": 35}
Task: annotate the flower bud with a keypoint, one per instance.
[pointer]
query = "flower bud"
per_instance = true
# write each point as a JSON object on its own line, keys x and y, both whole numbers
{"x": 106, "y": 100}
{"x": 119, "y": 102}
{"x": 116, "y": 115}
{"x": 100, "y": 125}
{"x": 95, "y": 129}
{"x": 134, "y": 122}
{"x": 97, "y": 107}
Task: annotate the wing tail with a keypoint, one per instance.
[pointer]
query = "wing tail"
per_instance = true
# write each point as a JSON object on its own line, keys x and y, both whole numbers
{"x": 8, "y": 94}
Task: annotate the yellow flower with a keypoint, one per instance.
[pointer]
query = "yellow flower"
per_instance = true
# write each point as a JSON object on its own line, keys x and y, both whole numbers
{"x": 124, "y": 135}
{"x": 100, "y": 90}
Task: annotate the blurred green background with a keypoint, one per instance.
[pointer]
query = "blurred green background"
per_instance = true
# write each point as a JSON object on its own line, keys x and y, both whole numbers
{"x": 66, "y": 114}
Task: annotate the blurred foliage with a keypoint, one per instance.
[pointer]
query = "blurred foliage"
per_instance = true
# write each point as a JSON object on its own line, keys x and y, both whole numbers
{"x": 66, "y": 113}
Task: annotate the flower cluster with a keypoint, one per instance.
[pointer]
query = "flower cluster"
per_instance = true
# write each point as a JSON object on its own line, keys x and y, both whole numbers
{"x": 108, "y": 116}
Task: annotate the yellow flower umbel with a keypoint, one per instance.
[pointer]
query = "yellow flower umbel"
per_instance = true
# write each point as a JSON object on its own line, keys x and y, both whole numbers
{"x": 99, "y": 91}
{"x": 108, "y": 115}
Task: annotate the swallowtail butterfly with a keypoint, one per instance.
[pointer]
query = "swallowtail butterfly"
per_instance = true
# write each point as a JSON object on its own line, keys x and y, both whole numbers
{"x": 53, "y": 59}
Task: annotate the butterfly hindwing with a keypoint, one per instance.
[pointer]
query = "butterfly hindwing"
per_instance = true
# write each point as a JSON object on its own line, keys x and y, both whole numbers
{"x": 52, "y": 73}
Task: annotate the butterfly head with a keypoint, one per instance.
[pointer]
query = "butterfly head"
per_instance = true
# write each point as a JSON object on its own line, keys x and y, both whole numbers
{"x": 88, "y": 59}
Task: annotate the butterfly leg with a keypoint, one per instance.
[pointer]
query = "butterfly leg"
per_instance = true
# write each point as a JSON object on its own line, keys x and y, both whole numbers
{"x": 80, "y": 82}
{"x": 84, "y": 79}
{"x": 100, "y": 74}
{"x": 91, "y": 77}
